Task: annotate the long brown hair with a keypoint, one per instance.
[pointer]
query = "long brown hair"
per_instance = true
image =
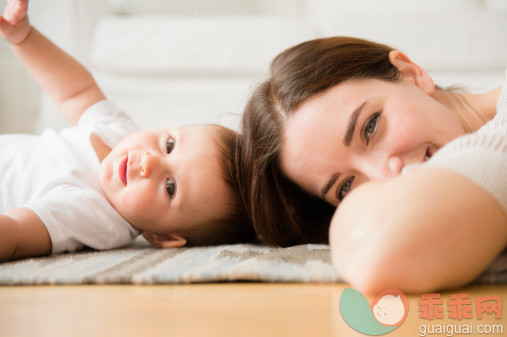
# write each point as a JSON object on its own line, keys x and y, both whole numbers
{"x": 282, "y": 213}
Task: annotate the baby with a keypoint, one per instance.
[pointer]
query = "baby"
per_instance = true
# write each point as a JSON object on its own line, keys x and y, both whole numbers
{"x": 103, "y": 181}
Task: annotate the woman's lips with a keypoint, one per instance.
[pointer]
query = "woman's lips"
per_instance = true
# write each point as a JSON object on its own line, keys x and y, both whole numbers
{"x": 122, "y": 170}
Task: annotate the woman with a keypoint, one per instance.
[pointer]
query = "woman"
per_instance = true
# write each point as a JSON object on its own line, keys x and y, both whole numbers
{"x": 339, "y": 112}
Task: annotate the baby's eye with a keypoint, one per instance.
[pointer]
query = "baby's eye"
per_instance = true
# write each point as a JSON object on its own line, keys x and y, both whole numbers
{"x": 344, "y": 188}
{"x": 170, "y": 186}
{"x": 170, "y": 145}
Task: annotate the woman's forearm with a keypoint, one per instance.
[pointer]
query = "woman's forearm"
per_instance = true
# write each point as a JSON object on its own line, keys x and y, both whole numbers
{"x": 423, "y": 231}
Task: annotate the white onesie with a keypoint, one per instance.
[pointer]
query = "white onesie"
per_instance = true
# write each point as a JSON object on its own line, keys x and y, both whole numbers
{"x": 56, "y": 175}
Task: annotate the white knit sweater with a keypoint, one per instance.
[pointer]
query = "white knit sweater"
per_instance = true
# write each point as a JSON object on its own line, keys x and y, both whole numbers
{"x": 481, "y": 156}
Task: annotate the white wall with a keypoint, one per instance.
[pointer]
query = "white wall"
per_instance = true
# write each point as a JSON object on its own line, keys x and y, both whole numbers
{"x": 20, "y": 95}
{"x": 456, "y": 41}
{"x": 462, "y": 39}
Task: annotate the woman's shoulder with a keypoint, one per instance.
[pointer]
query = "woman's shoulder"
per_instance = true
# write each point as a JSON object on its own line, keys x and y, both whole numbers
{"x": 481, "y": 156}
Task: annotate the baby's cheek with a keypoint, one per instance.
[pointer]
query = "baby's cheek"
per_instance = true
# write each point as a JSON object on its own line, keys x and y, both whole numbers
{"x": 137, "y": 203}
{"x": 141, "y": 203}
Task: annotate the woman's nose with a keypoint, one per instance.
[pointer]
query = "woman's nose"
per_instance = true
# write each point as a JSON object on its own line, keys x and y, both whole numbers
{"x": 394, "y": 166}
{"x": 378, "y": 169}
{"x": 146, "y": 164}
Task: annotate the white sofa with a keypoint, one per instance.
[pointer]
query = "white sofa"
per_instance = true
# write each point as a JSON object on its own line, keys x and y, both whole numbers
{"x": 173, "y": 62}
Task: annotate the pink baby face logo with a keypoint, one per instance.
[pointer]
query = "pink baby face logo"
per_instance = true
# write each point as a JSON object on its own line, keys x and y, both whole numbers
{"x": 385, "y": 313}
{"x": 390, "y": 307}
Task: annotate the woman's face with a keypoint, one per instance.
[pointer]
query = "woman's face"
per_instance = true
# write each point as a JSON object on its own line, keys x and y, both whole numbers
{"x": 363, "y": 130}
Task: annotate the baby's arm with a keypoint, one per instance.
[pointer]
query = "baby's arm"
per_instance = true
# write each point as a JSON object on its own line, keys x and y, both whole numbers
{"x": 424, "y": 231}
{"x": 22, "y": 234}
{"x": 66, "y": 81}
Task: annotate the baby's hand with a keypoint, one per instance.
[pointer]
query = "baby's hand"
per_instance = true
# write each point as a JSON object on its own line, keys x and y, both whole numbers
{"x": 14, "y": 25}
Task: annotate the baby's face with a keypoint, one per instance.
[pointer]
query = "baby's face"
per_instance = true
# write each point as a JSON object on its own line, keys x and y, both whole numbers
{"x": 163, "y": 180}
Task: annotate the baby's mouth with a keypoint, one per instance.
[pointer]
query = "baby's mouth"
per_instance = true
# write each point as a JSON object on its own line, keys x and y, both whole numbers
{"x": 122, "y": 170}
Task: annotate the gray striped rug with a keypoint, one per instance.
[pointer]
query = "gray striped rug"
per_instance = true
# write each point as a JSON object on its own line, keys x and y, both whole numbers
{"x": 142, "y": 264}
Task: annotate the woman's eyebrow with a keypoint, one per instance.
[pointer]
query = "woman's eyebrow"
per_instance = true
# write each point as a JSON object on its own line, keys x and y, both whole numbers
{"x": 352, "y": 124}
{"x": 346, "y": 140}
{"x": 328, "y": 186}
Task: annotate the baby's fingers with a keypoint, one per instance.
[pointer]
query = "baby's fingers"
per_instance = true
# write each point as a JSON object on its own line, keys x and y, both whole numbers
{"x": 14, "y": 34}
{"x": 16, "y": 10}
{"x": 5, "y": 27}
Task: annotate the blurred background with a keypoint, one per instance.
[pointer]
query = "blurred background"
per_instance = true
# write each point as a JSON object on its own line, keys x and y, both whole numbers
{"x": 176, "y": 62}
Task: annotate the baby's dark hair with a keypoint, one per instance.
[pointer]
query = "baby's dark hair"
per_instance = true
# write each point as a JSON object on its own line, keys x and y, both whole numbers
{"x": 233, "y": 226}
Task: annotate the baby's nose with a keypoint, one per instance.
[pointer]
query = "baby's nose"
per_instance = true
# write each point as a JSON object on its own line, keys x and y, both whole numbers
{"x": 146, "y": 164}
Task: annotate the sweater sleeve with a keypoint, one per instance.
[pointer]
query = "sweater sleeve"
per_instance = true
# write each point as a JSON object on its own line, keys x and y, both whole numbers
{"x": 482, "y": 155}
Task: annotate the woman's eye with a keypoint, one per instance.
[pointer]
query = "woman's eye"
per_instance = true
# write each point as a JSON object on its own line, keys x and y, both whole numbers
{"x": 170, "y": 145}
{"x": 170, "y": 186}
{"x": 344, "y": 188}
{"x": 370, "y": 126}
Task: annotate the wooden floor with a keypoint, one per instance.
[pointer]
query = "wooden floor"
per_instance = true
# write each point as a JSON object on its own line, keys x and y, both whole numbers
{"x": 224, "y": 309}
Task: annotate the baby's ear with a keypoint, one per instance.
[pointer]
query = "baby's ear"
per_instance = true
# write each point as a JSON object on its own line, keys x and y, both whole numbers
{"x": 165, "y": 240}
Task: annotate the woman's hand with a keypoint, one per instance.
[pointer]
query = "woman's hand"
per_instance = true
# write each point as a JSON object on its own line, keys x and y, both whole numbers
{"x": 14, "y": 25}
